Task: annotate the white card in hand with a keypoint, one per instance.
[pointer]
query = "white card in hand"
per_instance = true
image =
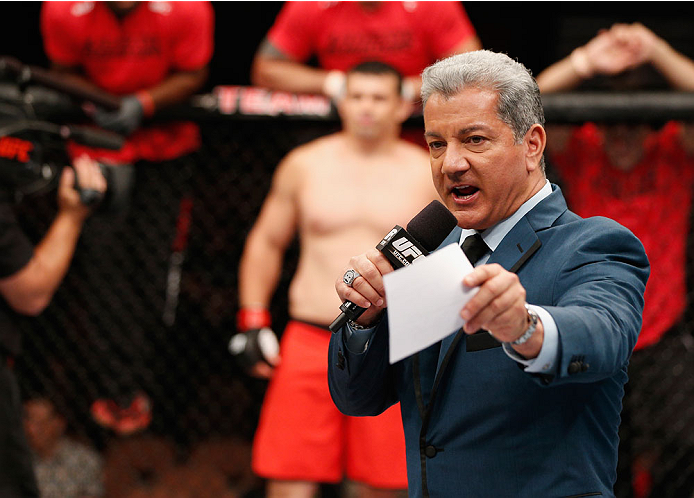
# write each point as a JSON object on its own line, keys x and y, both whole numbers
{"x": 425, "y": 299}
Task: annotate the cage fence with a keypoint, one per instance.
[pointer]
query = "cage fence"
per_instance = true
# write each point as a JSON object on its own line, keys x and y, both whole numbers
{"x": 121, "y": 326}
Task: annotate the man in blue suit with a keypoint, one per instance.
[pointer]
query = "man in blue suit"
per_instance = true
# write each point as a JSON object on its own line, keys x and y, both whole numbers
{"x": 524, "y": 401}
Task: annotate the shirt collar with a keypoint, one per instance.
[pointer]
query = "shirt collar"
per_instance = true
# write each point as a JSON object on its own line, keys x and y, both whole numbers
{"x": 493, "y": 235}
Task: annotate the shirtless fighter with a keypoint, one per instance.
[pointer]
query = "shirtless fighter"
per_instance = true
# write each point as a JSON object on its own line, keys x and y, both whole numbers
{"x": 302, "y": 439}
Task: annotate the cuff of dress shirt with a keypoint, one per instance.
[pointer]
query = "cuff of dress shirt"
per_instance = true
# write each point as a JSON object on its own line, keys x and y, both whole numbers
{"x": 546, "y": 361}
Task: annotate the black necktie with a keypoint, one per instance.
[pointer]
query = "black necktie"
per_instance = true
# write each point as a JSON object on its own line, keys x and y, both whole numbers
{"x": 474, "y": 248}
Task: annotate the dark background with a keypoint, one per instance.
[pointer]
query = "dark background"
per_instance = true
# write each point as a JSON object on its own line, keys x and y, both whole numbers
{"x": 537, "y": 33}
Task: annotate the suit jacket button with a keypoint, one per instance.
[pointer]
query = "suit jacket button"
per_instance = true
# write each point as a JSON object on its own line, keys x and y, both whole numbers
{"x": 430, "y": 451}
{"x": 574, "y": 367}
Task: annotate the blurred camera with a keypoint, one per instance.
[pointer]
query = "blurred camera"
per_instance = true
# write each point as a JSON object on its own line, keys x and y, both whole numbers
{"x": 33, "y": 141}
{"x": 32, "y": 156}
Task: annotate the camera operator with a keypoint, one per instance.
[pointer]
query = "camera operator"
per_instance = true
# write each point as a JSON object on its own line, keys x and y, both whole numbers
{"x": 29, "y": 276}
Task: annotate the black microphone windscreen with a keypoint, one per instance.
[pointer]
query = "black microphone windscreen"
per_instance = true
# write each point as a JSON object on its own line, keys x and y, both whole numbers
{"x": 431, "y": 226}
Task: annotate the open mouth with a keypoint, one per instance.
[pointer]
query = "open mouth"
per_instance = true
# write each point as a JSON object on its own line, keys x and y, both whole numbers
{"x": 464, "y": 192}
{"x": 365, "y": 119}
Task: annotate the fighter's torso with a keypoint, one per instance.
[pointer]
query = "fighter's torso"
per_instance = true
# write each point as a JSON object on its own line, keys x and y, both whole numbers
{"x": 347, "y": 203}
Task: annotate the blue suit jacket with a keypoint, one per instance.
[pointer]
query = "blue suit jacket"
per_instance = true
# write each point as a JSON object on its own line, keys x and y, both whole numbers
{"x": 475, "y": 423}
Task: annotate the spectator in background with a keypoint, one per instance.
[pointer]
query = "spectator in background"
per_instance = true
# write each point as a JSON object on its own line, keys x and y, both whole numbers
{"x": 407, "y": 35}
{"x": 153, "y": 55}
{"x": 29, "y": 276}
{"x": 302, "y": 439}
{"x": 64, "y": 467}
{"x": 615, "y": 51}
{"x": 642, "y": 178}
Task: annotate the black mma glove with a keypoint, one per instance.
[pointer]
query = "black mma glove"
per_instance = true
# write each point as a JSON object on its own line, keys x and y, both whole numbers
{"x": 254, "y": 346}
{"x": 125, "y": 120}
{"x": 256, "y": 342}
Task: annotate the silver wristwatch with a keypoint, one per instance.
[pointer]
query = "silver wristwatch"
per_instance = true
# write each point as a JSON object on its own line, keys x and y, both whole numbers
{"x": 531, "y": 327}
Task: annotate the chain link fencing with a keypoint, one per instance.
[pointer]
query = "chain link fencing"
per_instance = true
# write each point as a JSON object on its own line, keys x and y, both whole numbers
{"x": 126, "y": 322}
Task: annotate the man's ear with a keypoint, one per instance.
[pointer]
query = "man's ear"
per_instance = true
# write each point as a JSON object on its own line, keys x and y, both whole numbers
{"x": 405, "y": 109}
{"x": 339, "y": 107}
{"x": 535, "y": 141}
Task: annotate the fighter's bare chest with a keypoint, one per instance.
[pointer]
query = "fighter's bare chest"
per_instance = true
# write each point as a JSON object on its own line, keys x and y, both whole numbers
{"x": 331, "y": 202}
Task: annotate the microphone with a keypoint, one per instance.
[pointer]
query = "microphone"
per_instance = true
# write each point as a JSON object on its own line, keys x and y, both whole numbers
{"x": 401, "y": 247}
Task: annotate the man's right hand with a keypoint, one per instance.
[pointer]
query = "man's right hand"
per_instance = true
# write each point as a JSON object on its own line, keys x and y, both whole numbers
{"x": 86, "y": 171}
{"x": 367, "y": 290}
{"x": 255, "y": 348}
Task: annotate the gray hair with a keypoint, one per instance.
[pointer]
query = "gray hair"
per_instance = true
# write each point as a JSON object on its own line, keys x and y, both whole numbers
{"x": 519, "y": 106}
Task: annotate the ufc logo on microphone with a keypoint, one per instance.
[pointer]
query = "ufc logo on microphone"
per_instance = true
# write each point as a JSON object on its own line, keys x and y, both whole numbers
{"x": 406, "y": 248}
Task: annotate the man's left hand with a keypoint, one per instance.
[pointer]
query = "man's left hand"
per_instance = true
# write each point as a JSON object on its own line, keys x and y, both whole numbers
{"x": 499, "y": 307}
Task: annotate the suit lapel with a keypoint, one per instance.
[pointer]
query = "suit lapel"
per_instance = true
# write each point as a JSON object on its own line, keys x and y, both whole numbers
{"x": 518, "y": 245}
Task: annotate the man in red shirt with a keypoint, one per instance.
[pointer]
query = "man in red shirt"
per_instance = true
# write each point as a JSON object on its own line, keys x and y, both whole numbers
{"x": 153, "y": 54}
{"x": 642, "y": 178}
{"x": 406, "y": 35}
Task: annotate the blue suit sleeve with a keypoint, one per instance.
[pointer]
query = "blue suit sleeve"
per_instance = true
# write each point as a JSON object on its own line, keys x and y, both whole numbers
{"x": 361, "y": 383}
{"x": 598, "y": 296}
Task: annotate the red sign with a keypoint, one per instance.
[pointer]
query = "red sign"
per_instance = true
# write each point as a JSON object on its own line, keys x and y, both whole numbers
{"x": 261, "y": 102}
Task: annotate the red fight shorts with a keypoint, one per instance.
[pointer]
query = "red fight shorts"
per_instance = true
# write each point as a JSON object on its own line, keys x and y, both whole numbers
{"x": 303, "y": 436}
